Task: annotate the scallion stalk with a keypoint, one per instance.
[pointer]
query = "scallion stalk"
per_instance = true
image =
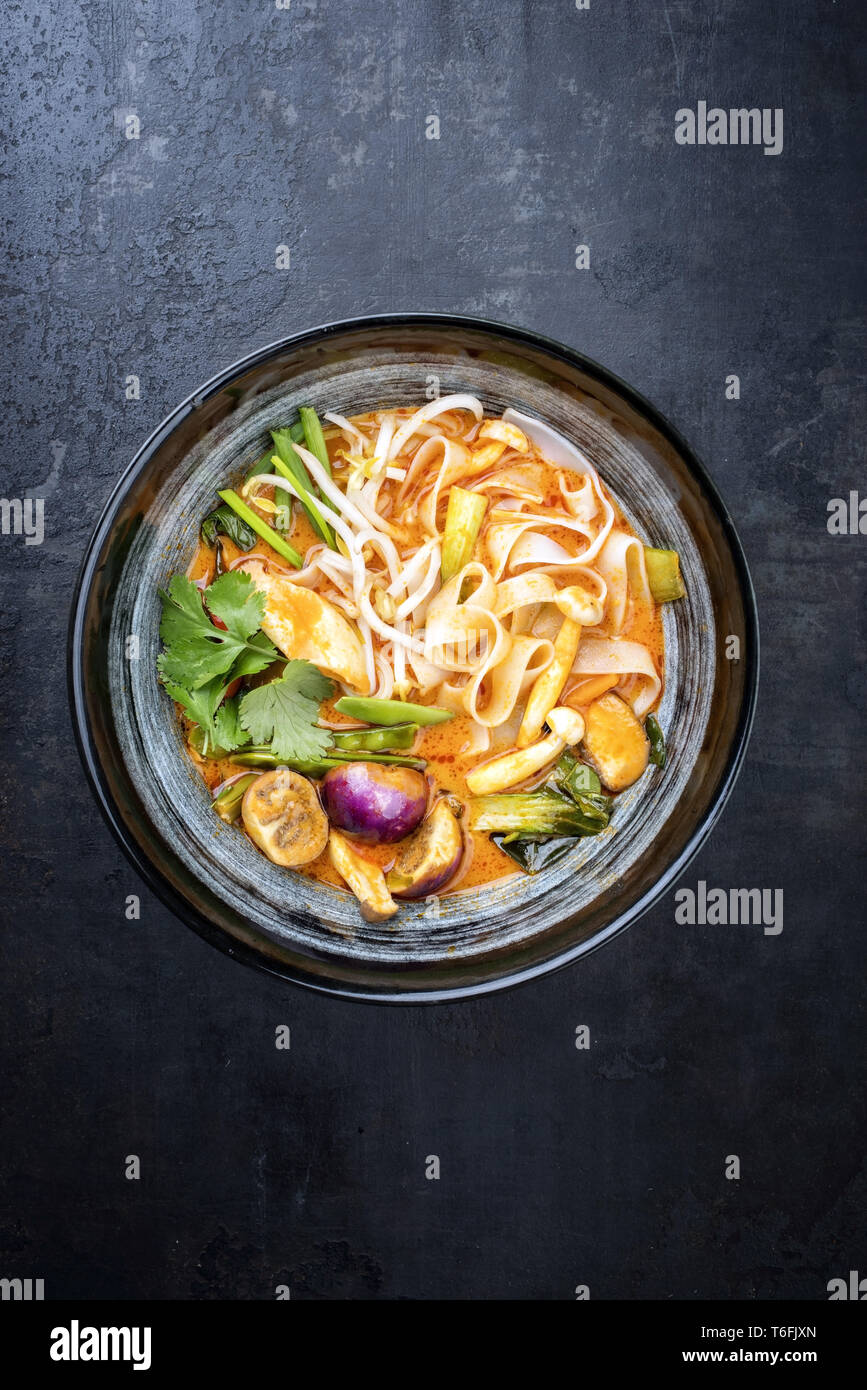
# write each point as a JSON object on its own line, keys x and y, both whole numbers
{"x": 286, "y": 462}
{"x": 315, "y": 438}
{"x": 262, "y": 529}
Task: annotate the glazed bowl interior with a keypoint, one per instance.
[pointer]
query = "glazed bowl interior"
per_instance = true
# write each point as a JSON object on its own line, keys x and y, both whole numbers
{"x": 474, "y": 939}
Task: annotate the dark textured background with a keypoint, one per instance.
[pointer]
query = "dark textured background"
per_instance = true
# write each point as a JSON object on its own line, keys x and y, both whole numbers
{"x": 156, "y": 257}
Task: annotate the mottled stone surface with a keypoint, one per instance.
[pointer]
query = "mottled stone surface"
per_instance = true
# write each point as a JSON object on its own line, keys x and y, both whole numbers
{"x": 155, "y": 257}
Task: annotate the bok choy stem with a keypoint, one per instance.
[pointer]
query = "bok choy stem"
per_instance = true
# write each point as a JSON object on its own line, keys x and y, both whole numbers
{"x": 464, "y": 517}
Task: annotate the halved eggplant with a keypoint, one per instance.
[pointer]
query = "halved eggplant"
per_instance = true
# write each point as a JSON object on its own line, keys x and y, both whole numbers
{"x": 430, "y": 858}
{"x": 282, "y": 816}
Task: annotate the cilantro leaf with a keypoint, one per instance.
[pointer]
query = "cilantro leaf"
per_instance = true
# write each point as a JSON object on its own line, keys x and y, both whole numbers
{"x": 221, "y": 730}
{"x": 283, "y": 712}
{"x": 200, "y": 705}
{"x": 235, "y": 600}
{"x": 227, "y": 726}
{"x": 195, "y": 650}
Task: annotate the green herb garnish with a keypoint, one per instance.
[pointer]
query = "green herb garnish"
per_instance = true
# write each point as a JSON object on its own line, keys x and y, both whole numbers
{"x": 283, "y": 713}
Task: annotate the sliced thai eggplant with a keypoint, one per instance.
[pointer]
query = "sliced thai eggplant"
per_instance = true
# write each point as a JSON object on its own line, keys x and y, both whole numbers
{"x": 615, "y": 742}
{"x": 366, "y": 879}
{"x": 375, "y": 801}
{"x": 282, "y": 816}
{"x": 430, "y": 858}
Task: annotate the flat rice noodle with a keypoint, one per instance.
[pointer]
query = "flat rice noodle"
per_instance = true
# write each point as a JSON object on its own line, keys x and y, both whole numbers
{"x": 621, "y": 564}
{"x": 604, "y": 656}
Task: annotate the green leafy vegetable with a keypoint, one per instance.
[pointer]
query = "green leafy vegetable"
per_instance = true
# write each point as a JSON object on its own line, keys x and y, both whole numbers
{"x": 225, "y": 522}
{"x": 657, "y": 741}
{"x": 284, "y": 711}
{"x": 531, "y": 814}
{"x": 572, "y": 777}
{"x": 218, "y": 732}
{"x": 535, "y": 855}
{"x": 195, "y": 650}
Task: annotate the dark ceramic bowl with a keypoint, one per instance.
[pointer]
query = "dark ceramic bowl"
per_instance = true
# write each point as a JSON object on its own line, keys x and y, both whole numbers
{"x": 480, "y": 939}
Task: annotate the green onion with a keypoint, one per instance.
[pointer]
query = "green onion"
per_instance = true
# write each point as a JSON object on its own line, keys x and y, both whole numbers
{"x": 296, "y": 432}
{"x": 262, "y": 528}
{"x": 227, "y": 803}
{"x": 663, "y": 574}
{"x": 287, "y": 463}
{"x": 657, "y": 741}
{"x": 263, "y": 466}
{"x": 314, "y": 436}
{"x": 375, "y": 740}
{"x": 463, "y": 523}
{"x": 282, "y": 499}
{"x": 535, "y": 813}
{"x": 390, "y": 712}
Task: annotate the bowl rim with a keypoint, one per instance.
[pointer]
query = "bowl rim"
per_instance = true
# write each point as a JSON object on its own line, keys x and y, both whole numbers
{"x": 77, "y": 682}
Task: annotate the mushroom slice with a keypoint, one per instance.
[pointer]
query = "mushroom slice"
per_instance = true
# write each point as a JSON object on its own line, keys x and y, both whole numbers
{"x": 282, "y": 816}
{"x": 363, "y": 876}
{"x": 615, "y": 742}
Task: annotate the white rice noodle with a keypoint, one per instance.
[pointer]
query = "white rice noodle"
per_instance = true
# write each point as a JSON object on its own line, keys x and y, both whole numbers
{"x": 413, "y": 568}
{"x": 385, "y": 684}
{"x": 426, "y": 414}
{"x": 608, "y": 656}
{"x": 427, "y": 675}
{"x": 508, "y": 483}
{"x": 582, "y": 501}
{"x": 621, "y": 563}
{"x": 478, "y": 740}
{"x": 504, "y": 680}
{"x": 424, "y": 589}
{"x": 466, "y": 636}
{"x": 524, "y": 542}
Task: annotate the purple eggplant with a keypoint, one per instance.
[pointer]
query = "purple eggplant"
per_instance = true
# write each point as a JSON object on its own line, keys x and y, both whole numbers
{"x": 375, "y": 802}
{"x": 430, "y": 859}
{"x": 282, "y": 815}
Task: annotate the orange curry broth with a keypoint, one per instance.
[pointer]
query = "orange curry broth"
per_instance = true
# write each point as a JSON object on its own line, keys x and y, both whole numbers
{"x": 441, "y": 744}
